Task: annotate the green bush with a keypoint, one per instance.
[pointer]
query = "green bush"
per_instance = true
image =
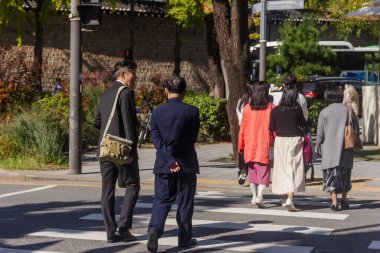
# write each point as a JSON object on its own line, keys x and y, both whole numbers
{"x": 40, "y": 135}
{"x": 8, "y": 147}
{"x": 315, "y": 107}
{"x": 213, "y": 116}
{"x": 91, "y": 98}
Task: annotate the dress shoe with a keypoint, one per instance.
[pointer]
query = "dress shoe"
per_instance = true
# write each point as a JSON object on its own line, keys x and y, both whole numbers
{"x": 114, "y": 238}
{"x": 335, "y": 207}
{"x": 190, "y": 243}
{"x": 126, "y": 235}
{"x": 344, "y": 205}
{"x": 152, "y": 244}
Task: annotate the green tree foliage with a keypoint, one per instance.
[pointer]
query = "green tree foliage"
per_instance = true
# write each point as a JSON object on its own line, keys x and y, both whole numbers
{"x": 300, "y": 54}
{"x": 336, "y": 9}
{"x": 188, "y": 13}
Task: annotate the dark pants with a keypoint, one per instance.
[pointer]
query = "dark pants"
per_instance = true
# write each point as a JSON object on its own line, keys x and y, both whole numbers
{"x": 242, "y": 165}
{"x": 168, "y": 188}
{"x": 110, "y": 173}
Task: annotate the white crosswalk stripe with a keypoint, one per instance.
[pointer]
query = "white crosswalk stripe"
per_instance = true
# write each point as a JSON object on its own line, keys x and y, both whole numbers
{"x": 374, "y": 245}
{"x": 266, "y": 212}
{"x": 8, "y": 250}
{"x": 230, "y": 225}
{"x": 212, "y": 241}
{"x": 236, "y": 246}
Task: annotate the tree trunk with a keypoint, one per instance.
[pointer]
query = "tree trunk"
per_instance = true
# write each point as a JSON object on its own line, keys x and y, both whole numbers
{"x": 38, "y": 48}
{"x": 177, "y": 51}
{"x": 231, "y": 24}
{"x": 215, "y": 69}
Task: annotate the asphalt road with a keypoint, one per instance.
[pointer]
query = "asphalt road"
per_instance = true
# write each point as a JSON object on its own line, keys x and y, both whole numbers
{"x": 66, "y": 218}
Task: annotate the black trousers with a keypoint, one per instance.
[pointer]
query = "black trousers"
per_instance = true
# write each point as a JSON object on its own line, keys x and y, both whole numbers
{"x": 168, "y": 188}
{"x": 242, "y": 165}
{"x": 110, "y": 173}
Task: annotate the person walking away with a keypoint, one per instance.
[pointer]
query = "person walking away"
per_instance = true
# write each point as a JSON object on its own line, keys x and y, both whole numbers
{"x": 243, "y": 169}
{"x": 255, "y": 140}
{"x": 351, "y": 98}
{"x": 337, "y": 162}
{"x": 277, "y": 95}
{"x": 124, "y": 125}
{"x": 174, "y": 131}
{"x": 287, "y": 121}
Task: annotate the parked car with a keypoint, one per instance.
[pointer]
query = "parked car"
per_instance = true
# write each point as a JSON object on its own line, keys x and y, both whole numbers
{"x": 315, "y": 87}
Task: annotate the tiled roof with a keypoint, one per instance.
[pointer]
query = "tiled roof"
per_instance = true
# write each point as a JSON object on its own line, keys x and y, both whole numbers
{"x": 151, "y": 8}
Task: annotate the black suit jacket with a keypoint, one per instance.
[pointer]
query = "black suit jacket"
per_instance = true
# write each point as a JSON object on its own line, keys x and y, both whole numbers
{"x": 124, "y": 123}
{"x": 174, "y": 131}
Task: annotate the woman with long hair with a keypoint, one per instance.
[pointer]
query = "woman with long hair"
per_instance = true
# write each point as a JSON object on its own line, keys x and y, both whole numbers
{"x": 288, "y": 122}
{"x": 255, "y": 140}
{"x": 337, "y": 162}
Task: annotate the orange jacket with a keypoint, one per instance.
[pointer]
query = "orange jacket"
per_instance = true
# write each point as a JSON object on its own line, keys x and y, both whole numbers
{"x": 255, "y": 138}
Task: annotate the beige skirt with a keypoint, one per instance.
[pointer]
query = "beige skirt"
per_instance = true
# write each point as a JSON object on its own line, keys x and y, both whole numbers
{"x": 288, "y": 169}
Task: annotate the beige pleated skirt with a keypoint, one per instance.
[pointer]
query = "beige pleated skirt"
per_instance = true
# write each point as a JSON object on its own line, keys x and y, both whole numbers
{"x": 288, "y": 169}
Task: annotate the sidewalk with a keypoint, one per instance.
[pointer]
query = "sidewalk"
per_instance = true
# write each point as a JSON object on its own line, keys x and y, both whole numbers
{"x": 365, "y": 175}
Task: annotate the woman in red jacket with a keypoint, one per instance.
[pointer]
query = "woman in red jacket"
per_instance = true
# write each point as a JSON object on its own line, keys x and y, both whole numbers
{"x": 255, "y": 140}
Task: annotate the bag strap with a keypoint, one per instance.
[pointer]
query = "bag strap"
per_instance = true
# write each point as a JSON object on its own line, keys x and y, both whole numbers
{"x": 349, "y": 116}
{"x": 113, "y": 111}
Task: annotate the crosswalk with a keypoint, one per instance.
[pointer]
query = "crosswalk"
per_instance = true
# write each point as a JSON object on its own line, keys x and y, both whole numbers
{"x": 219, "y": 225}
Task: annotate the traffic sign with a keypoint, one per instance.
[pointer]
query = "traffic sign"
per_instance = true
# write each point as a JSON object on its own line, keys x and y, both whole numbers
{"x": 285, "y": 5}
{"x": 280, "y": 5}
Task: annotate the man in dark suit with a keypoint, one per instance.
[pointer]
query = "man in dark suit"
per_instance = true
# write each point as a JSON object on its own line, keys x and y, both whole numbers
{"x": 174, "y": 130}
{"x": 124, "y": 124}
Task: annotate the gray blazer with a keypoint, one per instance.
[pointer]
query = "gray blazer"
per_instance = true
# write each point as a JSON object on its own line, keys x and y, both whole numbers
{"x": 330, "y": 136}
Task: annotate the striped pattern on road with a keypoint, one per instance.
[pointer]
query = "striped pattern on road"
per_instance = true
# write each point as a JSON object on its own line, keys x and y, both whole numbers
{"x": 9, "y": 250}
{"x": 230, "y": 225}
{"x": 320, "y": 202}
{"x": 236, "y": 246}
{"x": 252, "y": 211}
{"x": 27, "y": 191}
{"x": 374, "y": 245}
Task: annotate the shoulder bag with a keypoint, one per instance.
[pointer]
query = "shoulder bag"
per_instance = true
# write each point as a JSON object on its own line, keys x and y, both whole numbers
{"x": 114, "y": 148}
{"x": 351, "y": 138}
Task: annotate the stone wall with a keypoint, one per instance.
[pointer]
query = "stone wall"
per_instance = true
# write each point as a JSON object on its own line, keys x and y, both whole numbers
{"x": 104, "y": 46}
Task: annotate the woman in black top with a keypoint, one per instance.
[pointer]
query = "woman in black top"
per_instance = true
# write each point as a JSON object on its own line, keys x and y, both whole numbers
{"x": 287, "y": 121}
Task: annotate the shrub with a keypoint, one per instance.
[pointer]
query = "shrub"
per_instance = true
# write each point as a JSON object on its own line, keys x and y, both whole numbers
{"x": 315, "y": 107}
{"x": 213, "y": 116}
{"x": 8, "y": 147}
{"x": 38, "y": 134}
{"x": 151, "y": 95}
{"x": 18, "y": 81}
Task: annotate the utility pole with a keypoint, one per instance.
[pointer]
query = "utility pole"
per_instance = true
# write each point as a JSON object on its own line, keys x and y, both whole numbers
{"x": 75, "y": 124}
{"x": 263, "y": 40}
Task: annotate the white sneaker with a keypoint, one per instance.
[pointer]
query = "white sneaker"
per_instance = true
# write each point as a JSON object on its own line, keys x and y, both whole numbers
{"x": 290, "y": 206}
{"x": 260, "y": 202}
{"x": 283, "y": 202}
{"x": 253, "y": 200}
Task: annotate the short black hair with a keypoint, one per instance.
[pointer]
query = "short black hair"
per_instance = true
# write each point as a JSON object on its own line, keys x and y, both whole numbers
{"x": 333, "y": 94}
{"x": 176, "y": 84}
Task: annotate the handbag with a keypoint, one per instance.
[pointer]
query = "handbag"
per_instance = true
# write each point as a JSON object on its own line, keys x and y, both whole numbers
{"x": 351, "y": 138}
{"x": 307, "y": 151}
{"x": 114, "y": 148}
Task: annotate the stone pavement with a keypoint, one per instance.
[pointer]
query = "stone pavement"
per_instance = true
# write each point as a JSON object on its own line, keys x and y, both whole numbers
{"x": 214, "y": 174}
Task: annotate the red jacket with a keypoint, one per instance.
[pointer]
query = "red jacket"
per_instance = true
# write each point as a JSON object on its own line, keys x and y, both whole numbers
{"x": 255, "y": 138}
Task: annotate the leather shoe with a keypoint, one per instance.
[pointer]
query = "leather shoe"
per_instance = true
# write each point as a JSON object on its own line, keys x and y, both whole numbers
{"x": 152, "y": 244}
{"x": 335, "y": 207}
{"x": 190, "y": 243}
{"x": 126, "y": 235}
{"x": 344, "y": 205}
{"x": 114, "y": 238}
